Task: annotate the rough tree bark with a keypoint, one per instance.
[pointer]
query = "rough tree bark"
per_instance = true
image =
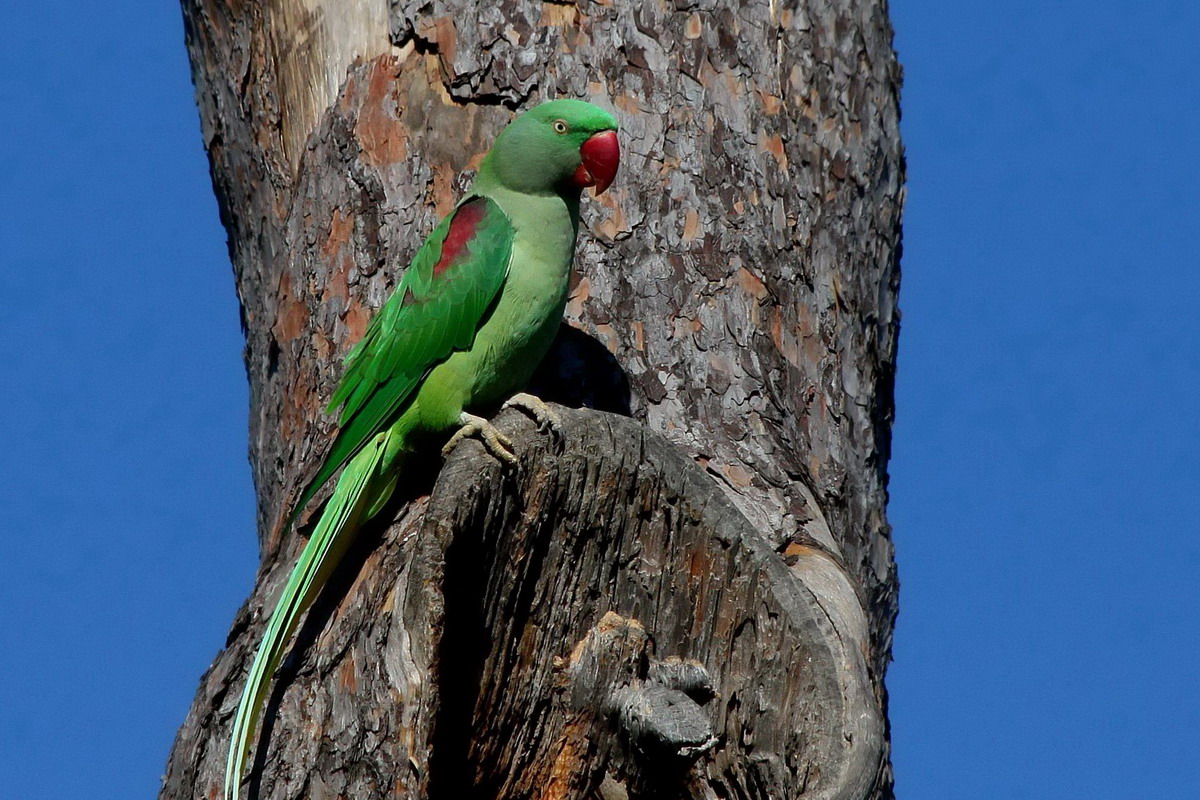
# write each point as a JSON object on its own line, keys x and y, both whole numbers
{"x": 690, "y": 593}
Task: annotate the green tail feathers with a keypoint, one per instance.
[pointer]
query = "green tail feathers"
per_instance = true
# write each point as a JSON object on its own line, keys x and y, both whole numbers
{"x": 361, "y": 491}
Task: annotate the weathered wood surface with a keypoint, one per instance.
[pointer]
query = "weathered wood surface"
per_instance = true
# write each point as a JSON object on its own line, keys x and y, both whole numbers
{"x": 534, "y": 633}
{"x": 736, "y": 294}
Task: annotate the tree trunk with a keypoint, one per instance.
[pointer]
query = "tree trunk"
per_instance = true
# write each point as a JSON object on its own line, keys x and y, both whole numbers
{"x": 688, "y": 592}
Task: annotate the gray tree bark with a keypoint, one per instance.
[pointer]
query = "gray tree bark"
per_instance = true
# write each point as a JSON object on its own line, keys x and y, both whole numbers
{"x": 690, "y": 592}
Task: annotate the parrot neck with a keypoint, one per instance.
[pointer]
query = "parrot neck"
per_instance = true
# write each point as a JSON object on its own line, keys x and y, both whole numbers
{"x": 490, "y": 182}
{"x": 519, "y": 173}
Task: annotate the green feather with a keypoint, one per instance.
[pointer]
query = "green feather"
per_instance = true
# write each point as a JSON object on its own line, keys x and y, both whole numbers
{"x": 319, "y": 557}
{"x": 404, "y": 341}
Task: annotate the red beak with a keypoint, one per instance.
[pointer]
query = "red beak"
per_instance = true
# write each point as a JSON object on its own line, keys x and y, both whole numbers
{"x": 599, "y": 158}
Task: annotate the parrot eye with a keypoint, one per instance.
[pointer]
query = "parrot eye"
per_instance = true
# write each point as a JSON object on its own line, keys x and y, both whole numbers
{"x": 560, "y": 126}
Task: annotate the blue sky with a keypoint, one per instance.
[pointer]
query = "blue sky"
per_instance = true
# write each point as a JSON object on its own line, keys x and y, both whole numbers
{"x": 1045, "y": 480}
{"x": 1045, "y": 488}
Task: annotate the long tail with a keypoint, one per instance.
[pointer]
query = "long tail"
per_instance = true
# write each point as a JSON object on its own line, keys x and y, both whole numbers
{"x": 361, "y": 491}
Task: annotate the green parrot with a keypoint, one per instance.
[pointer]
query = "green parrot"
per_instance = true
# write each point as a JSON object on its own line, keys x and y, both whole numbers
{"x": 465, "y": 328}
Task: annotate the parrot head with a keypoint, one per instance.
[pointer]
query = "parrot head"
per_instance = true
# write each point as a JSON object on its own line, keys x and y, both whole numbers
{"x": 559, "y": 146}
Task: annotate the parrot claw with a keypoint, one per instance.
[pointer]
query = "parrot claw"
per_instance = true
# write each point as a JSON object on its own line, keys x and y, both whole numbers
{"x": 547, "y": 419}
{"x": 479, "y": 428}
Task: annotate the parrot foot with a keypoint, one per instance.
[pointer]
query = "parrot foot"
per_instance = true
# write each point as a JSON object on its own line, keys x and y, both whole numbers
{"x": 479, "y": 428}
{"x": 535, "y": 407}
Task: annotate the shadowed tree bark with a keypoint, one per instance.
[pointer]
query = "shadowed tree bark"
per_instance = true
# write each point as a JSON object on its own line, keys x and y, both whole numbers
{"x": 690, "y": 592}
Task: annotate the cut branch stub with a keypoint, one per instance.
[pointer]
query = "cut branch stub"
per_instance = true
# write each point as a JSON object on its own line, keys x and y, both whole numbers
{"x": 598, "y": 622}
{"x": 613, "y": 669}
{"x": 570, "y": 573}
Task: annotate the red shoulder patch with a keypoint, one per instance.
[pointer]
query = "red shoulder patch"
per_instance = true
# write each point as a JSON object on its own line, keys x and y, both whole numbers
{"x": 462, "y": 228}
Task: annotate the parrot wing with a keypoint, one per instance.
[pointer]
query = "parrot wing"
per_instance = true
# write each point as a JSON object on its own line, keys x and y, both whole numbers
{"x": 435, "y": 310}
